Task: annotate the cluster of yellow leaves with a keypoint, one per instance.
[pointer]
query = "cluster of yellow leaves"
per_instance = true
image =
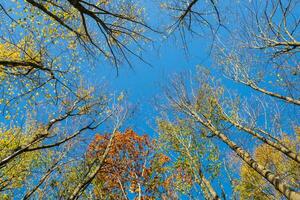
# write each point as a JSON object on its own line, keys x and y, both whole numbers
{"x": 253, "y": 186}
{"x": 7, "y": 52}
{"x": 12, "y": 55}
{"x": 23, "y": 51}
{"x": 14, "y": 174}
{"x": 45, "y": 28}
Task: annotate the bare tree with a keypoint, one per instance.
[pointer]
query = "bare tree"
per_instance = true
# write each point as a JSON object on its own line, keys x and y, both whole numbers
{"x": 263, "y": 53}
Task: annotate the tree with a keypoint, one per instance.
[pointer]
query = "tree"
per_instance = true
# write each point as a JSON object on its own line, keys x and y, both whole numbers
{"x": 202, "y": 106}
{"x": 27, "y": 173}
{"x": 18, "y": 171}
{"x": 253, "y": 186}
{"x": 89, "y": 23}
{"x": 189, "y": 153}
{"x": 78, "y": 108}
{"x": 130, "y": 167}
{"x": 44, "y": 48}
{"x": 263, "y": 54}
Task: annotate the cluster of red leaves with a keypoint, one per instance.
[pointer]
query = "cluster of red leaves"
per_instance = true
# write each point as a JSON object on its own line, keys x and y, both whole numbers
{"x": 130, "y": 166}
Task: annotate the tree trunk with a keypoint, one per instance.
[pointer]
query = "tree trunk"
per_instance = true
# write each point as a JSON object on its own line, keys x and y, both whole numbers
{"x": 206, "y": 185}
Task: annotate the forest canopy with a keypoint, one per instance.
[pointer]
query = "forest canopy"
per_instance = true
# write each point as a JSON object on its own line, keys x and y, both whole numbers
{"x": 124, "y": 99}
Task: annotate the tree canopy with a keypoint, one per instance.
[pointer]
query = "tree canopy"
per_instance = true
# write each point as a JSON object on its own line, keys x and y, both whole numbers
{"x": 226, "y": 126}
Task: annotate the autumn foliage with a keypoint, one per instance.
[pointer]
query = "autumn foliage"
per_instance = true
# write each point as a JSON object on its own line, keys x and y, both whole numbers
{"x": 63, "y": 114}
{"x": 252, "y": 186}
{"x": 130, "y": 168}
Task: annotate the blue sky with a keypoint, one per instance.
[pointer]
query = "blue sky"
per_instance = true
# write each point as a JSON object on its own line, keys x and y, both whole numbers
{"x": 143, "y": 83}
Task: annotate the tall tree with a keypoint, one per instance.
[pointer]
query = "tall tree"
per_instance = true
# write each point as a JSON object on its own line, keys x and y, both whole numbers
{"x": 202, "y": 107}
{"x": 194, "y": 157}
{"x": 130, "y": 167}
{"x": 262, "y": 54}
{"x": 41, "y": 70}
